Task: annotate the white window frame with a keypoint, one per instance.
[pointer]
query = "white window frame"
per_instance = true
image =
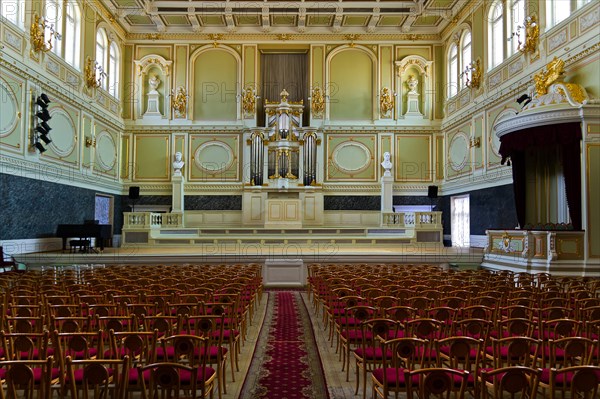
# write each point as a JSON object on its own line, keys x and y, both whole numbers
{"x": 102, "y": 55}
{"x": 496, "y": 35}
{"x": 72, "y": 36}
{"x": 460, "y": 220}
{"x": 452, "y": 70}
{"x": 557, "y": 11}
{"x": 466, "y": 56}
{"x": 516, "y": 19}
{"x": 114, "y": 70}
{"x": 13, "y": 11}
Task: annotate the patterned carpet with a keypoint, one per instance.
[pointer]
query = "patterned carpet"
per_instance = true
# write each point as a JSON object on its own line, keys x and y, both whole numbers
{"x": 286, "y": 364}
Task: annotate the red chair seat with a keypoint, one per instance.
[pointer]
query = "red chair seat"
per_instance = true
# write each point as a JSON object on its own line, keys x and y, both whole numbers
{"x": 37, "y": 374}
{"x": 213, "y": 352}
{"x": 372, "y": 353}
{"x": 446, "y": 351}
{"x": 79, "y": 355}
{"x": 395, "y": 377}
{"x": 204, "y": 373}
{"x": 134, "y": 376}
{"x": 356, "y": 335}
{"x": 160, "y": 352}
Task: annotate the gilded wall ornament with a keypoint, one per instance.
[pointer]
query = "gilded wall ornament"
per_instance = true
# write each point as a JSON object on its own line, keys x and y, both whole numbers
{"x": 179, "y": 101}
{"x": 386, "y": 101}
{"x": 317, "y": 102}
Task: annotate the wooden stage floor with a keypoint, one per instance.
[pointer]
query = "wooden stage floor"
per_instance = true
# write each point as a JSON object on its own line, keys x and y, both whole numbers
{"x": 231, "y": 253}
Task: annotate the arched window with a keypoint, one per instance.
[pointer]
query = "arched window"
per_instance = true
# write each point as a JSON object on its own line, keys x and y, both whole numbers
{"x": 496, "y": 34}
{"x": 452, "y": 70}
{"x": 517, "y": 18}
{"x": 102, "y": 55}
{"x": 556, "y": 11}
{"x": 72, "y": 35}
{"x": 114, "y": 70}
{"x": 13, "y": 11}
{"x": 465, "y": 56}
{"x": 54, "y": 18}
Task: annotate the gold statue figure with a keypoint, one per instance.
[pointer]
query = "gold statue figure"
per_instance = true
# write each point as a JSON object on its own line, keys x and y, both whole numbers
{"x": 532, "y": 34}
{"x": 179, "y": 101}
{"x": 543, "y": 79}
{"x": 249, "y": 101}
{"x": 91, "y": 80}
{"x": 37, "y": 33}
{"x": 475, "y": 81}
{"x": 317, "y": 102}
{"x": 386, "y": 101}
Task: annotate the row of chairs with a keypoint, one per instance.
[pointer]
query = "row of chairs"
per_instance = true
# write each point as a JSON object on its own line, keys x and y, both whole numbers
{"x": 183, "y": 325}
{"x": 355, "y": 312}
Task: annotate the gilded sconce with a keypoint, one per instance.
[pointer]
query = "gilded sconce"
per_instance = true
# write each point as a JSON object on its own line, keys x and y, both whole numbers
{"x": 532, "y": 35}
{"x": 473, "y": 74}
{"x": 37, "y": 33}
{"x": 93, "y": 74}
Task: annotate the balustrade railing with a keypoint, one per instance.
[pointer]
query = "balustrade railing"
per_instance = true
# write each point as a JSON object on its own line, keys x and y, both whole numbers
{"x": 152, "y": 220}
{"x": 415, "y": 220}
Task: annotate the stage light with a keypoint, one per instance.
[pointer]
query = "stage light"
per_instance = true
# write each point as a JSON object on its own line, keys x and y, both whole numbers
{"x": 41, "y": 128}
{"x": 39, "y": 147}
{"x": 45, "y": 139}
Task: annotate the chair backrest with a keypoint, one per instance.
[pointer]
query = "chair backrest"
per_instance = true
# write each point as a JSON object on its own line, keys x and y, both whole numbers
{"x": 460, "y": 353}
{"x": 515, "y": 351}
{"x": 110, "y": 376}
{"x": 31, "y": 376}
{"x": 571, "y": 351}
{"x": 165, "y": 381}
{"x": 577, "y": 382}
{"x": 439, "y": 383}
{"x": 139, "y": 346}
{"x": 516, "y": 382}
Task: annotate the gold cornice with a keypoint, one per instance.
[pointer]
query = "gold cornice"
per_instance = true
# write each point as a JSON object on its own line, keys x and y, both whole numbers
{"x": 235, "y": 38}
{"x": 109, "y": 18}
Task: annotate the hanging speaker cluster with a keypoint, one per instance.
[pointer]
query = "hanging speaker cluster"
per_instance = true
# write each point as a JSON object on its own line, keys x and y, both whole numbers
{"x": 41, "y": 127}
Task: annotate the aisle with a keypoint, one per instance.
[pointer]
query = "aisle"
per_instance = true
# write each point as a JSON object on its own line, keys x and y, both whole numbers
{"x": 286, "y": 363}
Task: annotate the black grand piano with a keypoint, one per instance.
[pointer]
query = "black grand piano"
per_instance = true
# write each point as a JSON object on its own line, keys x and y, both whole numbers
{"x": 84, "y": 231}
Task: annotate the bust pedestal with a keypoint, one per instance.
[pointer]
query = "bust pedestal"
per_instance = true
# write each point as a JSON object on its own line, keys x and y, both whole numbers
{"x": 387, "y": 194}
{"x": 178, "y": 194}
{"x": 153, "y": 104}
{"x": 412, "y": 105}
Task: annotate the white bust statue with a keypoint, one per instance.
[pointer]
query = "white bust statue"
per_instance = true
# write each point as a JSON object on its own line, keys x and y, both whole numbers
{"x": 154, "y": 82}
{"x": 387, "y": 164}
{"x": 178, "y": 164}
{"x": 412, "y": 84}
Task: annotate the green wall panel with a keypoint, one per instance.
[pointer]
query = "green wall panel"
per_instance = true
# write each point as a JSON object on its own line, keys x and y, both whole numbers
{"x": 215, "y": 86}
{"x": 413, "y": 158}
{"x": 351, "y": 157}
{"x": 351, "y": 86}
{"x": 128, "y": 86}
{"x": 151, "y": 157}
{"x": 181, "y": 63}
{"x": 593, "y": 181}
{"x": 317, "y": 65}
{"x": 12, "y": 111}
{"x": 250, "y": 66}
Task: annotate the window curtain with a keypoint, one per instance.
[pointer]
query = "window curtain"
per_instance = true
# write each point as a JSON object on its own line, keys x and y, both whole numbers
{"x": 567, "y": 136}
{"x": 283, "y": 71}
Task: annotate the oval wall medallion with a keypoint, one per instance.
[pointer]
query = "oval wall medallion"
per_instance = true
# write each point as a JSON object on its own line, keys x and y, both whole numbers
{"x": 106, "y": 150}
{"x": 351, "y": 157}
{"x": 10, "y": 108}
{"x": 458, "y": 151}
{"x": 214, "y": 157}
{"x": 63, "y": 134}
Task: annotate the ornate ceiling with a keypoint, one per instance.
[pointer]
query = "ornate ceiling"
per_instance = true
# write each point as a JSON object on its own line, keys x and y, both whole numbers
{"x": 283, "y": 17}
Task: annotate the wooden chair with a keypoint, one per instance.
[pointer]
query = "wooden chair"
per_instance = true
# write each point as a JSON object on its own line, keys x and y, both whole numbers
{"x": 575, "y": 382}
{"x": 513, "y": 382}
{"x": 434, "y": 382}
{"x": 369, "y": 354}
{"x": 406, "y": 354}
{"x": 29, "y": 376}
{"x": 97, "y": 378}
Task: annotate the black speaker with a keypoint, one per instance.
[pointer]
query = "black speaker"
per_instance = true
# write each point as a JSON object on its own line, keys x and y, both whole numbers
{"x": 134, "y": 192}
{"x": 432, "y": 191}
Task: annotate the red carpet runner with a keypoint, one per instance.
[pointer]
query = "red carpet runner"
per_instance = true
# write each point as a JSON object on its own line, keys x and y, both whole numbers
{"x": 286, "y": 363}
